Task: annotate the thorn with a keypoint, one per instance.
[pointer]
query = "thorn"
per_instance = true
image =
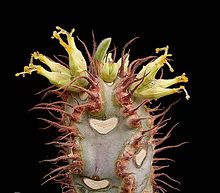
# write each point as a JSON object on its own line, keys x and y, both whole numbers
{"x": 161, "y": 75}
{"x": 165, "y": 111}
{"x": 121, "y": 72}
{"x": 161, "y": 140}
{"x": 54, "y": 116}
{"x": 93, "y": 76}
{"x": 65, "y": 87}
{"x": 93, "y": 68}
{"x": 144, "y": 102}
{"x": 153, "y": 128}
{"x": 53, "y": 109}
{"x": 133, "y": 66}
{"x": 44, "y": 90}
{"x": 155, "y": 159}
{"x": 59, "y": 169}
{"x": 79, "y": 108}
{"x": 61, "y": 102}
{"x": 157, "y": 168}
{"x": 61, "y": 158}
{"x": 52, "y": 178}
{"x": 114, "y": 53}
{"x": 141, "y": 81}
{"x": 156, "y": 128}
{"x": 94, "y": 44}
{"x": 63, "y": 56}
{"x": 71, "y": 145}
{"x": 167, "y": 176}
{"x": 60, "y": 61}
{"x": 52, "y": 92}
{"x": 86, "y": 49}
{"x": 92, "y": 82}
{"x": 135, "y": 122}
{"x": 60, "y": 138}
{"x": 155, "y": 109}
{"x": 44, "y": 128}
{"x": 169, "y": 147}
{"x": 129, "y": 81}
{"x": 162, "y": 189}
{"x": 163, "y": 121}
{"x": 167, "y": 184}
{"x": 62, "y": 127}
{"x": 92, "y": 94}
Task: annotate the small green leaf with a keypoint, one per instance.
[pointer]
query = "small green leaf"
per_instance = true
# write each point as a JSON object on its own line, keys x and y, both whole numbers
{"x": 102, "y": 49}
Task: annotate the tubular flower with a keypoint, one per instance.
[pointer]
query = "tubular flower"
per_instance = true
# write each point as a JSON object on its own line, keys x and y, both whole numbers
{"x": 153, "y": 88}
{"x": 59, "y": 75}
{"x": 107, "y": 69}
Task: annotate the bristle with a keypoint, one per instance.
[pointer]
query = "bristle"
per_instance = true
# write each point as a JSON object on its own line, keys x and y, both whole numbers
{"x": 87, "y": 51}
{"x": 121, "y": 69}
{"x": 169, "y": 147}
{"x": 159, "y": 141}
{"x": 62, "y": 128}
{"x": 136, "y": 63}
{"x": 167, "y": 184}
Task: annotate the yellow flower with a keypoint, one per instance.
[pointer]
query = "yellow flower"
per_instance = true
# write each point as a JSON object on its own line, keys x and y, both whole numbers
{"x": 153, "y": 88}
{"x": 106, "y": 68}
{"x": 77, "y": 62}
{"x": 59, "y": 75}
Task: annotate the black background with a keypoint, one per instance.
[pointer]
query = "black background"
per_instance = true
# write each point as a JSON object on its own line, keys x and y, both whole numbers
{"x": 29, "y": 28}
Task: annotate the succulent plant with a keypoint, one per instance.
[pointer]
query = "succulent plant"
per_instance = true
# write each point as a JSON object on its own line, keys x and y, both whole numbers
{"x": 110, "y": 135}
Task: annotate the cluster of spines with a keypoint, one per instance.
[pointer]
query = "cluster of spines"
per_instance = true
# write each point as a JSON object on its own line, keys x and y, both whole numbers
{"x": 130, "y": 113}
{"x": 68, "y": 142}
